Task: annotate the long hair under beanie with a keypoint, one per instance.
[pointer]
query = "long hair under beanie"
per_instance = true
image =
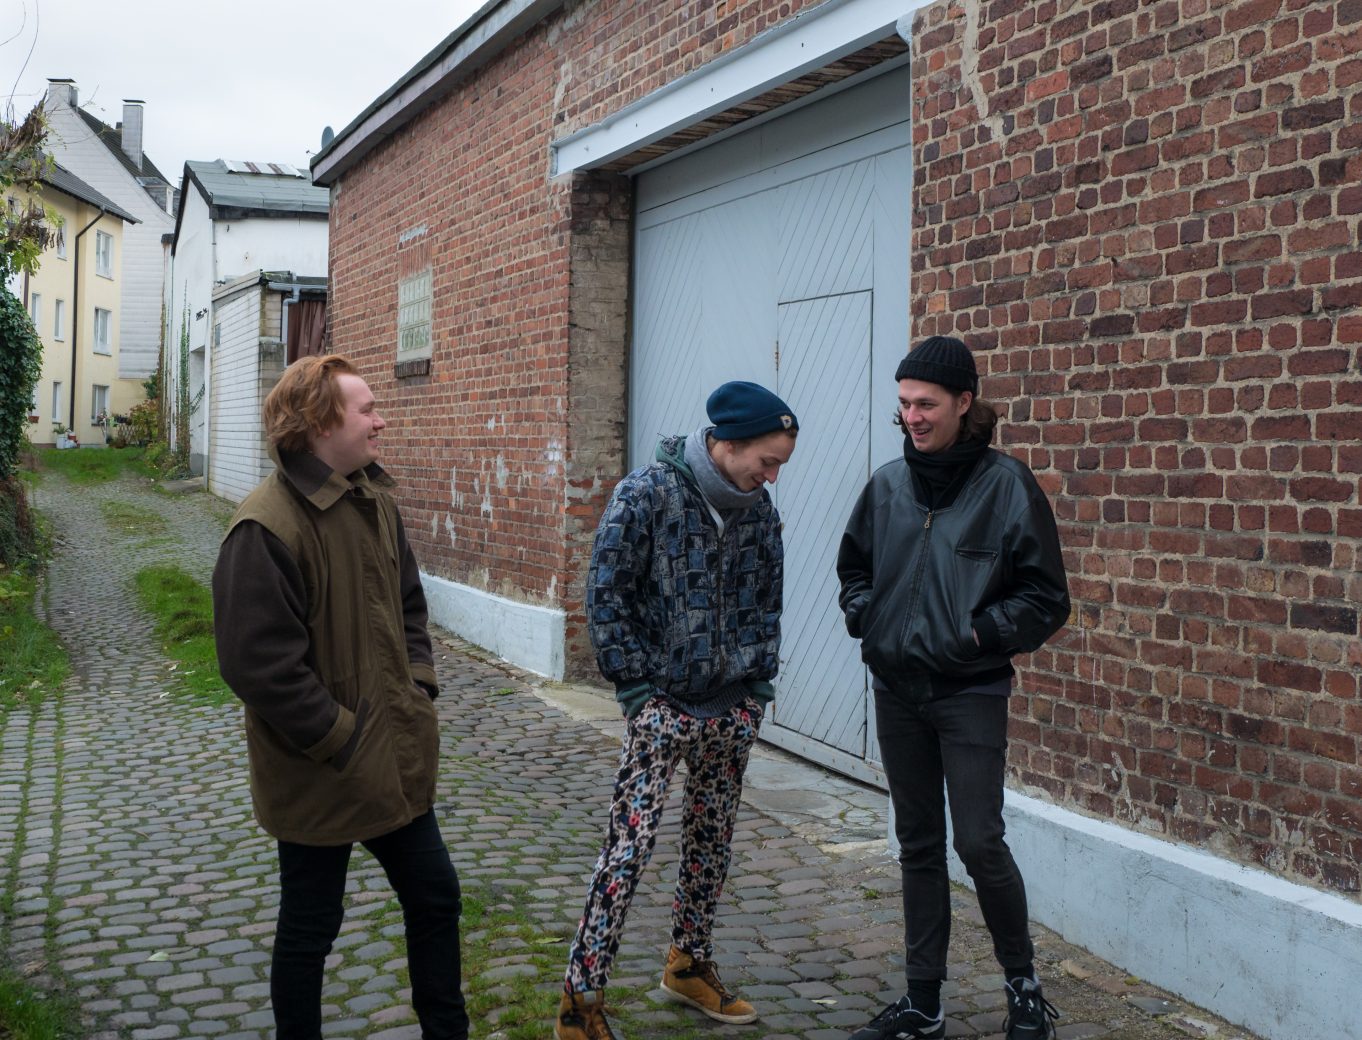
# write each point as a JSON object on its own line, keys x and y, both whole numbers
{"x": 948, "y": 362}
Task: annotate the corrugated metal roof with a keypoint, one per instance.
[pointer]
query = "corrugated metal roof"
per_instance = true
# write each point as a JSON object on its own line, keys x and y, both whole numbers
{"x": 63, "y": 180}
{"x": 265, "y": 187}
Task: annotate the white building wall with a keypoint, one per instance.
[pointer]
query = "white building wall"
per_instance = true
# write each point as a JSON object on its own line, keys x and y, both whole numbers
{"x": 191, "y": 294}
{"x": 74, "y": 146}
{"x": 271, "y": 244}
{"x": 234, "y": 465}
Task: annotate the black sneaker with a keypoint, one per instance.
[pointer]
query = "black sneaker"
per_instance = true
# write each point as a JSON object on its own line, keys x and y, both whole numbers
{"x": 901, "y": 1021}
{"x": 1029, "y": 1015}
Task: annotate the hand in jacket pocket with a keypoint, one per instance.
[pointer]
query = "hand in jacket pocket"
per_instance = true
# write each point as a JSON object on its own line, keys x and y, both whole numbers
{"x": 342, "y": 757}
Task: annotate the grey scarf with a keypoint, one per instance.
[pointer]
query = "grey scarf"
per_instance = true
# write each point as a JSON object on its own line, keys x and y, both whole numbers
{"x": 716, "y": 488}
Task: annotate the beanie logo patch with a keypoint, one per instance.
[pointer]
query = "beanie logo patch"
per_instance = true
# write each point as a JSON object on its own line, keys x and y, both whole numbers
{"x": 787, "y": 421}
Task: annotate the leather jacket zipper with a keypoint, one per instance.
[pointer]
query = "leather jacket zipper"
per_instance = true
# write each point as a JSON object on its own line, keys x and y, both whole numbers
{"x": 917, "y": 586}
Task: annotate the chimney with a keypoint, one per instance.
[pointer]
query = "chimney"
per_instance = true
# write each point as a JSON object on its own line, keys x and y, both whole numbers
{"x": 61, "y": 92}
{"x": 132, "y": 130}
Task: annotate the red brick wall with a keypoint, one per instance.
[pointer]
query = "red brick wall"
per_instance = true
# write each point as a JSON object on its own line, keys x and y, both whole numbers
{"x": 1145, "y": 216}
{"x": 503, "y": 470}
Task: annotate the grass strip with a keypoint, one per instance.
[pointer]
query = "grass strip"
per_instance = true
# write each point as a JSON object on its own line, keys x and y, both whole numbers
{"x": 129, "y": 519}
{"x": 93, "y": 465}
{"x": 27, "y": 1013}
{"x": 33, "y": 663}
{"x": 182, "y": 610}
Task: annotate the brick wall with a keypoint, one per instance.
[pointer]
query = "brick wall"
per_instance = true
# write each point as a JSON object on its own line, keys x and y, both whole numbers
{"x": 508, "y": 447}
{"x": 1145, "y": 216}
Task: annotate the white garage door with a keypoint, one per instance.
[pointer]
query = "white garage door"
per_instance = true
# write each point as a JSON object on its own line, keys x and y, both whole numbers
{"x": 780, "y": 255}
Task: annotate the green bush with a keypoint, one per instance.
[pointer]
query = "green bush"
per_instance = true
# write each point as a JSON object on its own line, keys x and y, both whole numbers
{"x": 21, "y": 359}
{"x": 18, "y": 531}
{"x": 142, "y": 419}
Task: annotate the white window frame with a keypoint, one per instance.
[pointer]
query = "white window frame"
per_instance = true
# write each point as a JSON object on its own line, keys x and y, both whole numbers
{"x": 103, "y": 254}
{"x": 58, "y": 319}
{"x": 56, "y": 400}
{"x": 99, "y": 400}
{"x": 61, "y": 241}
{"x": 413, "y": 316}
{"x": 35, "y": 311}
{"x": 103, "y": 344}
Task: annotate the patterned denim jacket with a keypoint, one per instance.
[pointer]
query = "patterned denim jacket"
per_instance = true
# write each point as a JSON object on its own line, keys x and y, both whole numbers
{"x": 673, "y": 604}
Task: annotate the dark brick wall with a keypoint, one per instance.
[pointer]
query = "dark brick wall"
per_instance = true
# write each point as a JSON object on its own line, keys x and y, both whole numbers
{"x": 1145, "y": 217}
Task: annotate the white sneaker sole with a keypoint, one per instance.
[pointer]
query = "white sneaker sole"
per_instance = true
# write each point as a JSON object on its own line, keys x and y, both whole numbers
{"x": 718, "y": 1016}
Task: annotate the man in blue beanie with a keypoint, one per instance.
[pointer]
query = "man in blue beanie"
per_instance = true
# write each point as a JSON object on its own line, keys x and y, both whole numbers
{"x": 683, "y": 603}
{"x": 949, "y": 566}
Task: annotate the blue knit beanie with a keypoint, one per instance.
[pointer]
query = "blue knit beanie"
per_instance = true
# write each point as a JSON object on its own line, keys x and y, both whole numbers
{"x": 741, "y": 410}
{"x": 941, "y": 360}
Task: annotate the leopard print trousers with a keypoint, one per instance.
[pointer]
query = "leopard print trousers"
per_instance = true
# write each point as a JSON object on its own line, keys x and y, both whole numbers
{"x": 715, "y": 752}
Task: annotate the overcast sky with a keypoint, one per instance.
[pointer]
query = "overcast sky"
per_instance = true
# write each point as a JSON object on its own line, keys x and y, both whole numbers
{"x": 252, "y": 81}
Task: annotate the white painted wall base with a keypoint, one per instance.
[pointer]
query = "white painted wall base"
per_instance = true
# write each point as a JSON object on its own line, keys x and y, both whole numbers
{"x": 1275, "y": 957}
{"x": 528, "y": 636}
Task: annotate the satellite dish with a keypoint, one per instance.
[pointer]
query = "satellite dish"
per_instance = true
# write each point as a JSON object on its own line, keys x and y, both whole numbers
{"x": 328, "y": 135}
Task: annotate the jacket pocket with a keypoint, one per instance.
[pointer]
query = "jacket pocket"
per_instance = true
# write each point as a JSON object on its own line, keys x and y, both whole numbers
{"x": 342, "y": 758}
{"x": 977, "y": 555}
{"x": 972, "y": 584}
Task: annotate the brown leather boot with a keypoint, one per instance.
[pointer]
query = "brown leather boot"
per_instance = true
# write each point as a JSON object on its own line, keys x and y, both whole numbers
{"x": 688, "y": 981}
{"x": 581, "y": 1016}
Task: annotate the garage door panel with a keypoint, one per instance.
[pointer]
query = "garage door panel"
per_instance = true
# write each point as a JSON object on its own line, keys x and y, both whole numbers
{"x": 781, "y": 256}
{"x": 667, "y": 362}
{"x": 824, "y": 375}
{"x": 739, "y": 277}
{"x": 827, "y": 244}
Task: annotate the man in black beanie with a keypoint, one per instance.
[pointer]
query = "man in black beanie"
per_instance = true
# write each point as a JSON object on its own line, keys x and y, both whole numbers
{"x": 949, "y": 566}
{"x": 683, "y": 604}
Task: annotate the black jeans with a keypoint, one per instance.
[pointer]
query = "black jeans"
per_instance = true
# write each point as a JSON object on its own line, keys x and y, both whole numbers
{"x": 962, "y": 741}
{"x": 313, "y": 882}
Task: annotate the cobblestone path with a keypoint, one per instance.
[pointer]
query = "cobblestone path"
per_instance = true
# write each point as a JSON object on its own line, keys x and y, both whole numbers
{"x": 137, "y": 879}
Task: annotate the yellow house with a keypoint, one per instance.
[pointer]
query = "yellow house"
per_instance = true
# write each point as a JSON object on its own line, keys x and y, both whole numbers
{"x": 73, "y": 301}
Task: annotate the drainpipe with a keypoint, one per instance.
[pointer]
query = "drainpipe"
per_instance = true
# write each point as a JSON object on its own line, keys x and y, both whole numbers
{"x": 283, "y": 287}
{"x": 283, "y": 317}
{"x": 75, "y": 313}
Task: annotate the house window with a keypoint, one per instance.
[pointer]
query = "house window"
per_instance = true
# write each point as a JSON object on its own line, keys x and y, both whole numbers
{"x": 56, "y": 401}
{"x": 413, "y": 316}
{"x": 103, "y": 254}
{"x": 99, "y": 404}
{"x": 35, "y": 311}
{"x": 61, "y": 242}
{"x": 102, "y": 322}
{"x": 58, "y": 319}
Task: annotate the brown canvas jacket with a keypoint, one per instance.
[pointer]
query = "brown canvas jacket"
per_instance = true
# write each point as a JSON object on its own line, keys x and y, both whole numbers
{"x": 320, "y": 622}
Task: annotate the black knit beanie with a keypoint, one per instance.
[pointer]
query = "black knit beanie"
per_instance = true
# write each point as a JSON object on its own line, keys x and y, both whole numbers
{"x": 941, "y": 360}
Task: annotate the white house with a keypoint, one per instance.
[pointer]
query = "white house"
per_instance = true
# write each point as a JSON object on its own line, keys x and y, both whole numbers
{"x": 261, "y": 322}
{"x": 111, "y": 161}
{"x": 236, "y": 219}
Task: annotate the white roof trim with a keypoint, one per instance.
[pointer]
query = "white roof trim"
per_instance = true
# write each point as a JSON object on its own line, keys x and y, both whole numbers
{"x": 808, "y": 41}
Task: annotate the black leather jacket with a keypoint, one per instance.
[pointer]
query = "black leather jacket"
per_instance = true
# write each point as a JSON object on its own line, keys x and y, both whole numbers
{"x": 917, "y": 585}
